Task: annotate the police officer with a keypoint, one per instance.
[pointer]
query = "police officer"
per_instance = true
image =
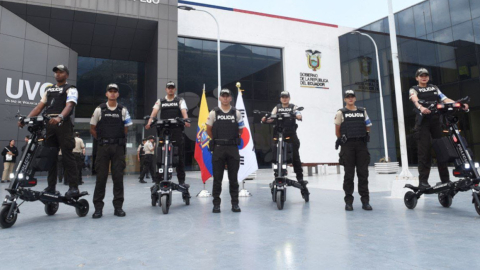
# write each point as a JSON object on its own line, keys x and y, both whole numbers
{"x": 149, "y": 148}
{"x": 60, "y": 100}
{"x": 109, "y": 125}
{"x": 225, "y": 126}
{"x": 79, "y": 153}
{"x": 171, "y": 107}
{"x": 352, "y": 126}
{"x": 427, "y": 126}
{"x": 141, "y": 155}
{"x": 290, "y": 130}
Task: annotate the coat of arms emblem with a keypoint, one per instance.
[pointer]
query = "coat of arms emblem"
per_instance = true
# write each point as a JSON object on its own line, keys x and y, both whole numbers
{"x": 313, "y": 59}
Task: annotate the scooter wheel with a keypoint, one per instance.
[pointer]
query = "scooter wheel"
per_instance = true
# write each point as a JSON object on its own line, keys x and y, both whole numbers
{"x": 305, "y": 194}
{"x": 280, "y": 200}
{"x": 5, "y": 221}
{"x": 445, "y": 199}
{"x": 164, "y": 203}
{"x": 51, "y": 208}
{"x": 477, "y": 208}
{"x": 154, "y": 200}
{"x": 410, "y": 200}
{"x": 82, "y": 208}
{"x": 186, "y": 198}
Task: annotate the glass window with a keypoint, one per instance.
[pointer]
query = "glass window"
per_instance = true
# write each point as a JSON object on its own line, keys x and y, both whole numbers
{"x": 377, "y": 26}
{"x": 426, "y": 53}
{"x": 448, "y": 72}
{"x": 97, "y": 73}
{"x": 476, "y": 28}
{"x": 406, "y": 26}
{"x": 467, "y": 67}
{"x": 444, "y": 36}
{"x": 475, "y": 8}
{"x": 423, "y": 19}
{"x": 459, "y": 11}
{"x": 463, "y": 31}
{"x": 440, "y": 14}
{"x": 445, "y": 52}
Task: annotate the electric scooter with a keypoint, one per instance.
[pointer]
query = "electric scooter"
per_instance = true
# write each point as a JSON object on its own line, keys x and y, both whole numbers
{"x": 283, "y": 156}
{"x": 36, "y": 157}
{"x": 452, "y": 148}
{"x": 161, "y": 191}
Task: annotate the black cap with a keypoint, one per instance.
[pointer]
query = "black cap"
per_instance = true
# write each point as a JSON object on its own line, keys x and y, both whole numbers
{"x": 77, "y": 134}
{"x": 62, "y": 68}
{"x": 144, "y": 139}
{"x": 284, "y": 93}
{"x": 112, "y": 85}
{"x": 349, "y": 93}
{"x": 150, "y": 137}
{"x": 170, "y": 84}
{"x": 421, "y": 71}
{"x": 225, "y": 91}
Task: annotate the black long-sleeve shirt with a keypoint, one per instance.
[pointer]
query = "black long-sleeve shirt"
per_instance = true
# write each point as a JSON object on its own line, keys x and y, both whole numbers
{"x": 12, "y": 149}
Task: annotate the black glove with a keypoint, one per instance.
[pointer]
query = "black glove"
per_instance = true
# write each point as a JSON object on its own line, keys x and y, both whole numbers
{"x": 338, "y": 143}
{"x": 367, "y": 137}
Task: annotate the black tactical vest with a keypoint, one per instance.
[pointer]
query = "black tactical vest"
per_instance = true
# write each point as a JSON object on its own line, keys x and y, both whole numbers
{"x": 170, "y": 109}
{"x": 429, "y": 93}
{"x": 353, "y": 125}
{"x": 225, "y": 126}
{"x": 142, "y": 152}
{"x": 111, "y": 124}
{"x": 57, "y": 99}
{"x": 290, "y": 125}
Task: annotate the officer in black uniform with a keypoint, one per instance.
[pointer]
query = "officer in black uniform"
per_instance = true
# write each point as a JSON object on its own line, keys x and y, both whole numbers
{"x": 109, "y": 125}
{"x": 225, "y": 126}
{"x": 172, "y": 107}
{"x": 141, "y": 155}
{"x": 352, "y": 127}
{"x": 427, "y": 126}
{"x": 290, "y": 131}
{"x": 59, "y": 101}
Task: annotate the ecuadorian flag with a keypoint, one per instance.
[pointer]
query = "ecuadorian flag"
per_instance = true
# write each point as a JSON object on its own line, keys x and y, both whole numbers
{"x": 202, "y": 154}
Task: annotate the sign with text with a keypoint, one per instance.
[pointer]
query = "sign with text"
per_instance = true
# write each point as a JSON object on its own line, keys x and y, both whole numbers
{"x": 309, "y": 79}
{"x": 24, "y": 92}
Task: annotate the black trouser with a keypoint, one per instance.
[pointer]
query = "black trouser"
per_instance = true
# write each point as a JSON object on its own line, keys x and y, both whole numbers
{"x": 297, "y": 163}
{"x": 142, "y": 160}
{"x": 430, "y": 128}
{"x": 60, "y": 169}
{"x": 62, "y": 136}
{"x": 114, "y": 155}
{"x": 354, "y": 154}
{"x": 147, "y": 166}
{"x": 80, "y": 161}
{"x": 179, "y": 141}
{"x": 229, "y": 155}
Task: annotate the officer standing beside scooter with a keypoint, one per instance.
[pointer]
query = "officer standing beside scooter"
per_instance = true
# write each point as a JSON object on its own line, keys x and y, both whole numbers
{"x": 352, "y": 127}
{"x": 427, "y": 126}
{"x": 225, "y": 126}
{"x": 290, "y": 131}
{"x": 109, "y": 126}
{"x": 172, "y": 107}
{"x": 60, "y": 100}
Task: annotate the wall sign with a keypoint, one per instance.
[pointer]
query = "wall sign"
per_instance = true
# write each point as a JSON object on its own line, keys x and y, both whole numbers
{"x": 25, "y": 94}
{"x": 313, "y": 80}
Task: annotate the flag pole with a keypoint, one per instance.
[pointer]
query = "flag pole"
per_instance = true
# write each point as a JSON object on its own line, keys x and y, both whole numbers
{"x": 243, "y": 192}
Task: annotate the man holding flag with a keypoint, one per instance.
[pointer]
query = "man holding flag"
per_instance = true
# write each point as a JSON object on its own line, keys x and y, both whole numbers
{"x": 225, "y": 126}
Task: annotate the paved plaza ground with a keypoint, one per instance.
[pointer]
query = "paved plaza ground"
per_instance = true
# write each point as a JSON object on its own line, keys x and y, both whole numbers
{"x": 314, "y": 235}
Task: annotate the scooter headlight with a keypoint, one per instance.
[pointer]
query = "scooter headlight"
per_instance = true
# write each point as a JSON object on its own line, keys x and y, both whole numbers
{"x": 467, "y": 166}
{"x": 284, "y": 166}
{"x": 20, "y": 176}
{"x": 12, "y": 175}
{"x": 170, "y": 170}
{"x": 275, "y": 166}
{"x": 477, "y": 165}
{"x": 160, "y": 170}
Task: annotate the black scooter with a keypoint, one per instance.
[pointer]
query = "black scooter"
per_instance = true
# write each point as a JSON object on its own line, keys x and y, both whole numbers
{"x": 283, "y": 156}
{"x": 452, "y": 148}
{"x": 36, "y": 157}
{"x": 161, "y": 191}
